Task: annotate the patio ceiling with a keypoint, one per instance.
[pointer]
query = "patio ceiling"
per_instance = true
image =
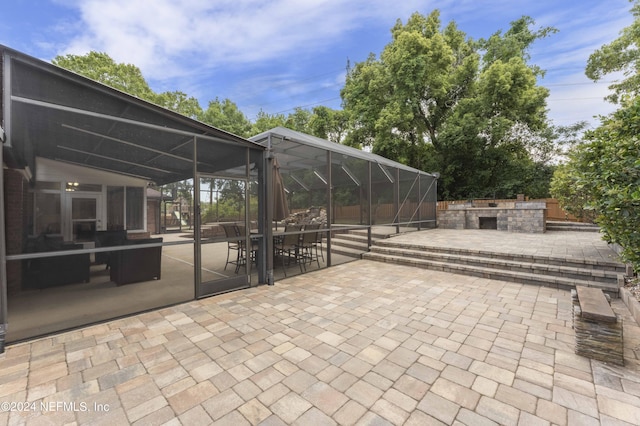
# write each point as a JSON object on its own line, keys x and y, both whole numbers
{"x": 53, "y": 113}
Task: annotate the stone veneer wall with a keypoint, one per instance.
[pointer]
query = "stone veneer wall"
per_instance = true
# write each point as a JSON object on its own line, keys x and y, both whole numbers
{"x": 526, "y": 217}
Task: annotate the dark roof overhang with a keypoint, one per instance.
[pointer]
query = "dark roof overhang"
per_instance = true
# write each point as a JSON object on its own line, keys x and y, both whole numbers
{"x": 53, "y": 113}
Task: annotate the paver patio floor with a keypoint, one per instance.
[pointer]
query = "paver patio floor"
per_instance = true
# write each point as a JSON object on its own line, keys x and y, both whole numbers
{"x": 358, "y": 343}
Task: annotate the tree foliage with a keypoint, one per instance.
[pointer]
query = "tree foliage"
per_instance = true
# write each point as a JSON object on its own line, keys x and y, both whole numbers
{"x": 432, "y": 101}
{"x": 621, "y": 55}
{"x": 179, "y": 102}
{"x": 604, "y": 174}
{"x": 573, "y": 198}
{"x": 399, "y": 102}
{"x": 227, "y": 116}
{"x": 265, "y": 121}
{"x": 329, "y": 124}
{"x": 101, "y": 67}
{"x": 515, "y": 43}
{"x": 127, "y": 78}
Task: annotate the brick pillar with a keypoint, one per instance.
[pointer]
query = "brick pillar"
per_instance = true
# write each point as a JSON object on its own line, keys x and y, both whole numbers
{"x": 14, "y": 203}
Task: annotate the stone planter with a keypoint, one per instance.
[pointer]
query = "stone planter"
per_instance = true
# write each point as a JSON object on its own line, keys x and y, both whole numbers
{"x": 632, "y": 304}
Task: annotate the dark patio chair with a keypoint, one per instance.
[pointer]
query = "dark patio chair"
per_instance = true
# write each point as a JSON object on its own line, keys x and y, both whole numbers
{"x": 246, "y": 257}
{"x": 308, "y": 244}
{"x": 318, "y": 242}
{"x": 231, "y": 231}
{"x": 288, "y": 248}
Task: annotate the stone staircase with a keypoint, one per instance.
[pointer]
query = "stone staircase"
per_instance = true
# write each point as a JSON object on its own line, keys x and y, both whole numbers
{"x": 571, "y": 226}
{"x": 525, "y": 269}
{"x": 353, "y": 243}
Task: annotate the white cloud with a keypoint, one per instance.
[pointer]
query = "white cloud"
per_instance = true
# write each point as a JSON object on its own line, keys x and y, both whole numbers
{"x": 157, "y": 35}
{"x": 578, "y": 100}
{"x": 189, "y": 45}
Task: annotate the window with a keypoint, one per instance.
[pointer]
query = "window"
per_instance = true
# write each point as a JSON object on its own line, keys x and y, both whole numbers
{"x": 47, "y": 213}
{"x": 115, "y": 208}
{"x": 135, "y": 207}
{"x": 125, "y": 207}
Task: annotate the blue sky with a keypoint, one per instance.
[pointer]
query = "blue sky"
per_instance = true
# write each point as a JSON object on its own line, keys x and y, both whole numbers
{"x": 279, "y": 54}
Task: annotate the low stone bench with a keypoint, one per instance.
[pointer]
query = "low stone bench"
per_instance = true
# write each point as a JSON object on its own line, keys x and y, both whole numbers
{"x": 598, "y": 329}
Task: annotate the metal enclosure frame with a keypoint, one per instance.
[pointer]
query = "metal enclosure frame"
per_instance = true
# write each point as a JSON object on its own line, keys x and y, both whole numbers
{"x": 48, "y": 112}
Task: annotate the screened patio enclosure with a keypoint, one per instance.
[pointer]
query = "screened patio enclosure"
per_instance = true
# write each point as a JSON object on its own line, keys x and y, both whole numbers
{"x": 113, "y": 206}
{"x": 349, "y": 190}
{"x": 82, "y": 239}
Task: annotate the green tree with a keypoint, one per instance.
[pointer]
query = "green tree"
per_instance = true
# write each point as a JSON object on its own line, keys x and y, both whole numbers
{"x": 400, "y": 102}
{"x": 265, "y": 122}
{"x": 298, "y": 120}
{"x": 225, "y": 115}
{"x": 329, "y": 124}
{"x": 621, "y": 55}
{"x": 606, "y": 170}
{"x": 127, "y": 78}
{"x": 232, "y": 199}
{"x": 179, "y": 102}
{"x": 433, "y": 102}
{"x": 603, "y": 174}
{"x": 546, "y": 149}
{"x": 485, "y": 143}
{"x": 572, "y": 196}
{"x": 101, "y": 67}
{"x": 515, "y": 43}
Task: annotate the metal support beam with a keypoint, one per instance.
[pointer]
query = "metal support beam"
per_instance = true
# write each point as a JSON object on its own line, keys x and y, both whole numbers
{"x": 329, "y": 207}
{"x": 197, "y": 249}
{"x": 3, "y": 266}
{"x": 6, "y": 84}
{"x": 268, "y": 195}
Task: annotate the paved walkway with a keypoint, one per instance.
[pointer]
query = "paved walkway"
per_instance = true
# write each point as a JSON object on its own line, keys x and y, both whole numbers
{"x": 360, "y": 343}
{"x": 562, "y": 244}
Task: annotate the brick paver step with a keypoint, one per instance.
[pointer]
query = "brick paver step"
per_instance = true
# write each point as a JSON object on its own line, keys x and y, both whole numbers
{"x": 521, "y": 265}
{"x": 375, "y": 235}
{"x": 493, "y": 273}
{"x": 348, "y": 243}
{"x": 571, "y": 226}
{"x": 356, "y": 253}
{"x": 559, "y": 223}
{"x": 354, "y": 242}
{"x": 352, "y": 237}
{"x": 582, "y": 263}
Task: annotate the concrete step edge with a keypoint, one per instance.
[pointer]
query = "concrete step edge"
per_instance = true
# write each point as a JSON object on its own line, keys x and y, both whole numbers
{"x": 349, "y": 252}
{"x": 350, "y": 237}
{"x": 579, "y": 263}
{"x": 497, "y": 274}
{"x": 350, "y": 244}
{"x": 497, "y": 263}
{"x": 566, "y": 228}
